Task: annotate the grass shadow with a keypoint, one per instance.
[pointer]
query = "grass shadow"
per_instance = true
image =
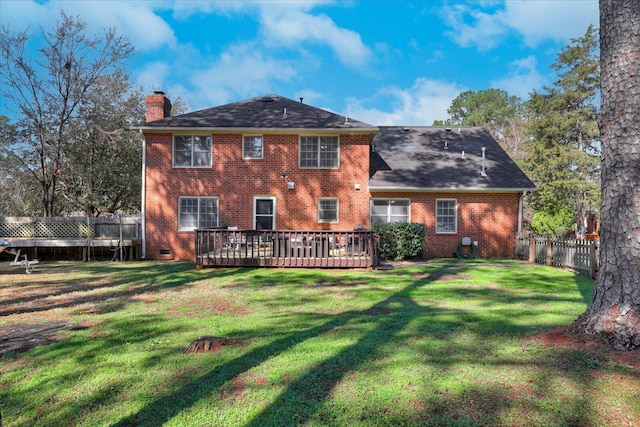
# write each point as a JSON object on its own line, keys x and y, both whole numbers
{"x": 101, "y": 285}
{"x": 162, "y": 410}
{"x": 401, "y": 316}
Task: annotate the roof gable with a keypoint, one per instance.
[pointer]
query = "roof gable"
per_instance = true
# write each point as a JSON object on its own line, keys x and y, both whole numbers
{"x": 263, "y": 112}
{"x": 435, "y": 158}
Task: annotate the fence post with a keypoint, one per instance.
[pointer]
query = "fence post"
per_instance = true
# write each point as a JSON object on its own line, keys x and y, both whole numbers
{"x": 88, "y": 258}
{"x": 532, "y": 249}
{"x": 593, "y": 259}
{"x": 549, "y": 251}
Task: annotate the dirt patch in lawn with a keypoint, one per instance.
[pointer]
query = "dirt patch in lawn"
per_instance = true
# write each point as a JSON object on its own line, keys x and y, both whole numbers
{"x": 445, "y": 277}
{"x": 378, "y": 311}
{"x": 339, "y": 283}
{"x": 236, "y": 389}
{"x": 197, "y": 306}
{"x": 562, "y": 338}
{"x": 23, "y": 337}
{"x": 210, "y": 344}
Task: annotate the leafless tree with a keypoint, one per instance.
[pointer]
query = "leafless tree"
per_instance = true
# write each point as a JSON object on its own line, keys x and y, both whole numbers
{"x": 45, "y": 91}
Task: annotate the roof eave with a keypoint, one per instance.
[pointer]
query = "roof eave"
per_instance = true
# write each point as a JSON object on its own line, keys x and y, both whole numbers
{"x": 279, "y": 130}
{"x": 449, "y": 189}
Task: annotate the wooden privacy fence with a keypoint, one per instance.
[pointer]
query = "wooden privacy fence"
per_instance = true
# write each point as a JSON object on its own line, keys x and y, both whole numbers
{"x": 579, "y": 254}
{"x": 273, "y": 248}
{"x": 70, "y": 227}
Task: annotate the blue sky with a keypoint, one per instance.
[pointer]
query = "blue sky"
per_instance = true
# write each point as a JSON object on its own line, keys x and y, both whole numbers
{"x": 382, "y": 62}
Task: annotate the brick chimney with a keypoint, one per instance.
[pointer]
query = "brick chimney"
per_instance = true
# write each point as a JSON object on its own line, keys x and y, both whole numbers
{"x": 158, "y": 106}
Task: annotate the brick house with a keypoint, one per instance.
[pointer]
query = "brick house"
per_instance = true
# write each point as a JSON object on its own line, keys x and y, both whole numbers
{"x": 274, "y": 163}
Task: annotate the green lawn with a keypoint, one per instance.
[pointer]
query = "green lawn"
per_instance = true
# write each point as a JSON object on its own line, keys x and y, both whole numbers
{"x": 440, "y": 344}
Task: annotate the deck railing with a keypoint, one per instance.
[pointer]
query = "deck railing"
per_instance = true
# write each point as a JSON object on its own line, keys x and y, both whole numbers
{"x": 73, "y": 237}
{"x": 291, "y": 248}
{"x": 70, "y": 227}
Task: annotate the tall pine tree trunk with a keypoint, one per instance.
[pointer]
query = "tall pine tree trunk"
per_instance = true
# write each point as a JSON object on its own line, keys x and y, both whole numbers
{"x": 614, "y": 313}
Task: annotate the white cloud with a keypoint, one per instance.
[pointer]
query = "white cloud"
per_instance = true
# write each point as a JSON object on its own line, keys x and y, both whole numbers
{"x": 558, "y": 20}
{"x": 310, "y": 96}
{"x": 241, "y": 71}
{"x": 425, "y": 101}
{"x": 522, "y": 79}
{"x": 535, "y": 21}
{"x": 291, "y": 26}
{"x": 22, "y": 14}
{"x": 485, "y": 31}
{"x": 153, "y": 76}
{"x": 288, "y": 24}
{"x": 185, "y": 9}
{"x": 135, "y": 20}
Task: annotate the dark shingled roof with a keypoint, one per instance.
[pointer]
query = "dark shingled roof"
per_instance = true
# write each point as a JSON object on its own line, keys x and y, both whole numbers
{"x": 263, "y": 112}
{"x": 415, "y": 158}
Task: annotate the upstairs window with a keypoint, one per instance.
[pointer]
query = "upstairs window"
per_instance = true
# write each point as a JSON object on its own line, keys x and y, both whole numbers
{"x": 319, "y": 152}
{"x": 389, "y": 210}
{"x": 252, "y": 147}
{"x": 327, "y": 210}
{"x": 197, "y": 212}
{"x": 446, "y": 216}
{"x": 191, "y": 151}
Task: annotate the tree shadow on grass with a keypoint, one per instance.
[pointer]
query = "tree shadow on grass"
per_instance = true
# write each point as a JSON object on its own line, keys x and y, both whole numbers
{"x": 80, "y": 355}
{"x": 479, "y": 404}
{"x": 100, "y": 288}
{"x": 307, "y": 392}
{"x": 303, "y": 399}
{"x": 121, "y": 286}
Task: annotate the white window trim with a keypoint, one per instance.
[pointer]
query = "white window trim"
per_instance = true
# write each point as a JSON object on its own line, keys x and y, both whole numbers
{"x": 455, "y": 213}
{"x": 217, "y": 199}
{"x": 273, "y": 198}
{"x": 173, "y": 150}
{"x": 389, "y": 210}
{"x": 261, "y": 151}
{"x": 318, "y": 140}
{"x": 337, "y": 210}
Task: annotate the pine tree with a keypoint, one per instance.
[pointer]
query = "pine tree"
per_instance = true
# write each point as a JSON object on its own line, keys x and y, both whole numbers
{"x": 563, "y": 158}
{"x": 614, "y": 313}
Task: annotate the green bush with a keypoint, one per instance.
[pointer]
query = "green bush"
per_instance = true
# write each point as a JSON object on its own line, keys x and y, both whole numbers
{"x": 558, "y": 224}
{"x": 400, "y": 240}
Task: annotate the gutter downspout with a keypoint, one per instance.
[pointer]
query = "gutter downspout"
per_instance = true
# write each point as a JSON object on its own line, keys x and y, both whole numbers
{"x": 143, "y": 212}
{"x": 520, "y": 209}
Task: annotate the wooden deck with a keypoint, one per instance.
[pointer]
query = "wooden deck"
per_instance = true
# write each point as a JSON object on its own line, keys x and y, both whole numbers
{"x": 291, "y": 248}
{"x": 81, "y": 235}
{"x": 131, "y": 246}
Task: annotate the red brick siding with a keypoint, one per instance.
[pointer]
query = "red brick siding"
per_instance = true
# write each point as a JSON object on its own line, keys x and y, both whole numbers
{"x": 490, "y": 219}
{"x": 235, "y": 181}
